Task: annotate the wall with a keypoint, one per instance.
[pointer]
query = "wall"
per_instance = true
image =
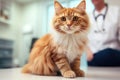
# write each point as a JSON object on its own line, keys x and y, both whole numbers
{"x": 113, "y": 2}
{"x": 34, "y": 17}
{"x": 11, "y": 31}
{"x": 29, "y": 15}
{"x": 7, "y": 31}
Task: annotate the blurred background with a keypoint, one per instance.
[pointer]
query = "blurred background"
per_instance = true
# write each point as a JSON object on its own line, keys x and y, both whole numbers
{"x": 24, "y": 21}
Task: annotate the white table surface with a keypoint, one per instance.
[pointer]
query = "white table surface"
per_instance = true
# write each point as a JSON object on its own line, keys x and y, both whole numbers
{"x": 91, "y": 74}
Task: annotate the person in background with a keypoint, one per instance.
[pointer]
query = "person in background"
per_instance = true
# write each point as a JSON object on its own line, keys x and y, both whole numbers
{"x": 104, "y": 37}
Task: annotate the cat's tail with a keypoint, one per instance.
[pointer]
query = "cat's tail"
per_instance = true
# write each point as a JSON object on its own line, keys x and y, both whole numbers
{"x": 25, "y": 69}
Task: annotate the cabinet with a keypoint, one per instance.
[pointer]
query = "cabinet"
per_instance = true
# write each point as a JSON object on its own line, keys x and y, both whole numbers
{"x": 6, "y": 53}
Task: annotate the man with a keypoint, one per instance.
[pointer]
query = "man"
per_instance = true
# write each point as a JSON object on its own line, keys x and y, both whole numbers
{"x": 104, "y": 37}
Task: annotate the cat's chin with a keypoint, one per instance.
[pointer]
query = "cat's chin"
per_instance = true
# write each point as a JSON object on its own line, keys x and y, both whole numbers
{"x": 67, "y": 31}
{"x": 70, "y": 32}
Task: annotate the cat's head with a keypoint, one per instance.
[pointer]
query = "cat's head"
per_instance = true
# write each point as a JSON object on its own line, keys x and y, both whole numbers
{"x": 70, "y": 20}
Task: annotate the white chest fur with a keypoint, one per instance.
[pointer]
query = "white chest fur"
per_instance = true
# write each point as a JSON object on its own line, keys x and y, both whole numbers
{"x": 69, "y": 44}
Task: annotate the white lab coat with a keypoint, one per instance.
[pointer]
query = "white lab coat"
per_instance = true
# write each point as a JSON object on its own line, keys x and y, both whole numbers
{"x": 111, "y": 37}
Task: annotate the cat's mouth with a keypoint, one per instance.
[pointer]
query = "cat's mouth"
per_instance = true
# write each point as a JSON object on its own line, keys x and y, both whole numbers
{"x": 69, "y": 29}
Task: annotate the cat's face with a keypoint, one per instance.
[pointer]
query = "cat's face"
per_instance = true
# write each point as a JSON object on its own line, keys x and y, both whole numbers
{"x": 70, "y": 20}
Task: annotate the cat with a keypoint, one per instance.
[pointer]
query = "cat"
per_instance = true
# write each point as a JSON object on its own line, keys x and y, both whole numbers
{"x": 61, "y": 49}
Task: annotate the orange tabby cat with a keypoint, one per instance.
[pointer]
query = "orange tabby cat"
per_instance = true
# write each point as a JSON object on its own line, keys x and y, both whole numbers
{"x": 61, "y": 50}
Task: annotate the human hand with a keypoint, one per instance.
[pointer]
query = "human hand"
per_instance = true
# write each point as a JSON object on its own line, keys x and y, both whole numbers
{"x": 89, "y": 55}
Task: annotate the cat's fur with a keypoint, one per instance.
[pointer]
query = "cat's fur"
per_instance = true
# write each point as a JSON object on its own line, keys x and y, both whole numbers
{"x": 61, "y": 50}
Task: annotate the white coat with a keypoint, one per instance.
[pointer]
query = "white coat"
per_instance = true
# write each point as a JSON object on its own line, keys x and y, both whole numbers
{"x": 110, "y": 38}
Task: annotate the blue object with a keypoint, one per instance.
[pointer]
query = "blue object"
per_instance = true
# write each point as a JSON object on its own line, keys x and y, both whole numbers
{"x": 106, "y": 58}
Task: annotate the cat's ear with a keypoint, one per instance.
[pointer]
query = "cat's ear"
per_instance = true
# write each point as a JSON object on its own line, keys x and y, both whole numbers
{"x": 57, "y": 6}
{"x": 82, "y": 5}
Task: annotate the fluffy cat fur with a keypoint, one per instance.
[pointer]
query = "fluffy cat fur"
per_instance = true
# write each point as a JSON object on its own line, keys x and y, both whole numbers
{"x": 61, "y": 50}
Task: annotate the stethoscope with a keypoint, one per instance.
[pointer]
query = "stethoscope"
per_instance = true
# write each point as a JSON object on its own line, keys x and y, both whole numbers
{"x": 103, "y": 23}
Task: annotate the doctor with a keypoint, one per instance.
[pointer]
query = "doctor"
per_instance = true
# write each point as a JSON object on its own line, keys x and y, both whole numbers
{"x": 104, "y": 36}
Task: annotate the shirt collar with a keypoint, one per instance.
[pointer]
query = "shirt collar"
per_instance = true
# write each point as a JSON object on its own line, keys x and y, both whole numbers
{"x": 101, "y": 12}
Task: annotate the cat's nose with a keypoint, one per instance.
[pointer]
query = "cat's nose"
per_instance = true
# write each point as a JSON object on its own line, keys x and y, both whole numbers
{"x": 69, "y": 24}
{"x": 69, "y": 27}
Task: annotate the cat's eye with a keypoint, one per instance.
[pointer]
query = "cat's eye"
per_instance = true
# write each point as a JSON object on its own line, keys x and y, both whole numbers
{"x": 75, "y": 18}
{"x": 63, "y": 18}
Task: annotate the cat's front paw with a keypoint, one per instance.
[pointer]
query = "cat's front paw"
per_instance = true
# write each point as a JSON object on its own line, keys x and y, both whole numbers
{"x": 80, "y": 73}
{"x": 69, "y": 74}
